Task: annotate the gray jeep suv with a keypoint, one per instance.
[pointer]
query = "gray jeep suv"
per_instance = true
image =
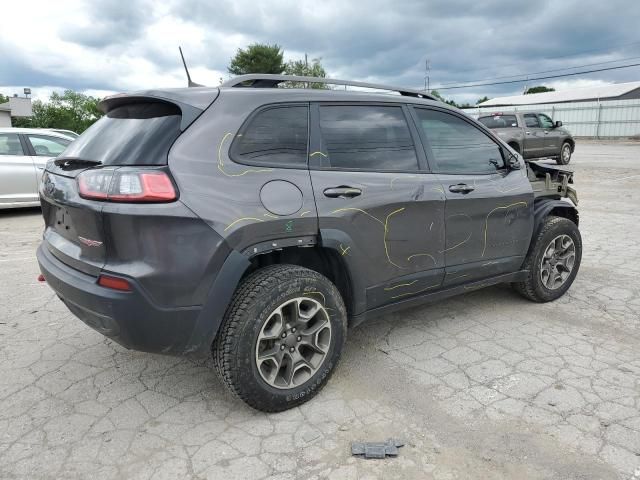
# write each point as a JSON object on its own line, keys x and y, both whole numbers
{"x": 256, "y": 223}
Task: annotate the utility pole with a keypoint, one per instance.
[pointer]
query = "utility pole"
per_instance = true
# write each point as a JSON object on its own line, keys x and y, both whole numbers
{"x": 427, "y": 69}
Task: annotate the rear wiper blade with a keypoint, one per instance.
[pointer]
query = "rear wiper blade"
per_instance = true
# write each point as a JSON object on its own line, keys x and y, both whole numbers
{"x": 71, "y": 162}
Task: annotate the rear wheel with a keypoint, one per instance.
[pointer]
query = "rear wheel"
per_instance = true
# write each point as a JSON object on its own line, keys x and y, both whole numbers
{"x": 565, "y": 154}
{"x": 281, "y": 337}
{"x": 553, "y": 261}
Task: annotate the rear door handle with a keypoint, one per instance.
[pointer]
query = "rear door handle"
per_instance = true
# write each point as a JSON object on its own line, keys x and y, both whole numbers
{"x": 461, "y": 188}
{"x": 342, "y": 192}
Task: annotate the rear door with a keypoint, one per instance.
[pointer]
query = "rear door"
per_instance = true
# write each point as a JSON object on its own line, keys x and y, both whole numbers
{"x": 17, "y": 172}
{"x": 43, "y": 148}
{"x": 377, "y": 204}
{"x": 488, "y": 207}
{"x": 534, "y": 137}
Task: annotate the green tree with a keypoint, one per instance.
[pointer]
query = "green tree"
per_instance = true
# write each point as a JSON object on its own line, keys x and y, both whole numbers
{"x": 483, "y": 99}
{"x": 302, "y": 68}
{"x": 436, "y": 94}
{"x": 70, "y": 111}
{"x": 3, "y": 98}
{"x": 257, "y": 58}
{"x": 539, "y": 89}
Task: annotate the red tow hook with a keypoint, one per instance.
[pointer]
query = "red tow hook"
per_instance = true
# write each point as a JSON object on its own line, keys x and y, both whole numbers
{"x": 41, "y": 278}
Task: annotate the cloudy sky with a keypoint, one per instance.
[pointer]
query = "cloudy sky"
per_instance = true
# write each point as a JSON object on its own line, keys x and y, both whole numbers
{"x": 104, "y": 46}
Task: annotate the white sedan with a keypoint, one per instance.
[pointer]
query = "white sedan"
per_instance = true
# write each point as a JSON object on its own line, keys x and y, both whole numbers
{"x": 24, "y": 152}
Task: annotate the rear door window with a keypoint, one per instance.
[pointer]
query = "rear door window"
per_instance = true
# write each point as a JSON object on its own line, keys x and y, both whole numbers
{"x": 367, "y": 137}
{"x": 132, "y": 134}
{"x": 47, "y": 146}
{"x": 276, "y": 136}
{"x": 531, "y": 120}
{"x": 10, "y": 144}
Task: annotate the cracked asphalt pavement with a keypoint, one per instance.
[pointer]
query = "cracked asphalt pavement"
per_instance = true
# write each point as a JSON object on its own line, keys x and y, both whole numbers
{"x": 485, "y": 385}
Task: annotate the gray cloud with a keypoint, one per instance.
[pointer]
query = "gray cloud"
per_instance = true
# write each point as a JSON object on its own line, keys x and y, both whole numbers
{"x": 374, "y": 40}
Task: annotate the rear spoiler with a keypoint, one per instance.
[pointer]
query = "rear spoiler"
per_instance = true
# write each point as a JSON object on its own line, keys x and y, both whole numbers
{"x": 191, "y": 102}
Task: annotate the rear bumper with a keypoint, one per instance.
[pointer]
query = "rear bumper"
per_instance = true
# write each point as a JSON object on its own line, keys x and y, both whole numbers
{"x": 130, "y": 318}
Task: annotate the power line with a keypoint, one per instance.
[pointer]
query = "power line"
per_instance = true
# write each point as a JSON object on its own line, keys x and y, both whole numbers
{"x": 554, "y": 58}
{"x": 545, "y": 71}
{"x": 538, "y": 78}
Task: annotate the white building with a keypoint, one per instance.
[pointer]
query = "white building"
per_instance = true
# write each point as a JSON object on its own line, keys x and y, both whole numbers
{"x": 15, "y": 107}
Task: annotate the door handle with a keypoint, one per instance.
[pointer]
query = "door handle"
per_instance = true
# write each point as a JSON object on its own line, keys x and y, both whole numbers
{"x": 461, "y": 188}
{"x": 341, "y": 192}
{"x": 546, "y": 132}
{"x": 527, "y": 133}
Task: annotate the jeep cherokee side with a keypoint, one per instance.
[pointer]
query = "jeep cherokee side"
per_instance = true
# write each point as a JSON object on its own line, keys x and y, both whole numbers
{"x": 532, "y": 134}
{"x": 256, "y": 223}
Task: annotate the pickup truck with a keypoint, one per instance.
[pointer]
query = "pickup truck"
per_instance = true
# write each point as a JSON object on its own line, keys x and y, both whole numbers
{"x": 532, "y": 134}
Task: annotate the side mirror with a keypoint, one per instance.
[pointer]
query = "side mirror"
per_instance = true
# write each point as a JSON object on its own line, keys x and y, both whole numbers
{"x": 558, "y": 124}
{"x": 513, "y": 162}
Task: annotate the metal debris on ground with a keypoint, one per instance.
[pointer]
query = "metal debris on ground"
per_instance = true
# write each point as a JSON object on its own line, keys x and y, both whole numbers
{"x": 377, "y": 449}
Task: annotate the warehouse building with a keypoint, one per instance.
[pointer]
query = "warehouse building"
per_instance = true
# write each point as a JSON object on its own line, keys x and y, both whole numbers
{"x": 15, "y": 107}
{"x": 607, "y": 111}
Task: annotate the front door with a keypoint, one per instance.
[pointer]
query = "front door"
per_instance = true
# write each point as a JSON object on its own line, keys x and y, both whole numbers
{"x": 534, "y": 137}
{"x": 17, "y": 172}
{"x": 551, "y": 135}
{"x": 488, "y": 213}
{"x": 377, "y": 206}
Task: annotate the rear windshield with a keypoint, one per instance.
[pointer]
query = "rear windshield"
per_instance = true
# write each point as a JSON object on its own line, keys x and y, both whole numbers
{"x": 134, "y": 134}
{"x": 499, "y": 121}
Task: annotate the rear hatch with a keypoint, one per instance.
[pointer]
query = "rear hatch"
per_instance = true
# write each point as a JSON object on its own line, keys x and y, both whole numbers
{"x": 135, "y": 134}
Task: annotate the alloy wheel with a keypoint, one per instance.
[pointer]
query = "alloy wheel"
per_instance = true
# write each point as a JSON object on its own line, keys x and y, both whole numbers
{"x": 557, "y": 262}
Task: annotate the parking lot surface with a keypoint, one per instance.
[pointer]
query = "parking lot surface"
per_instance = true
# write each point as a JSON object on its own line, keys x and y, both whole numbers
{"x": 486, "y": 385}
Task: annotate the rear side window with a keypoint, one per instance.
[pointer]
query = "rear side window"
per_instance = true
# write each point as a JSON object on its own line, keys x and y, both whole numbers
{"x": 367, "y": 137}
{"x": 457, "y": 146}
{"x": 531, "y": 120}
{"x": 10, "y": 144}
{"x": 277, "y": 136}
{"x": 499, "y": 121}
{"x": 133, "y": 134}
{"x": 46, "y": 146}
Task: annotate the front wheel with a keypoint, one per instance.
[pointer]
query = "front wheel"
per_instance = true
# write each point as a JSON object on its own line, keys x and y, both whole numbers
{"x": 553, "y": 261}
{"x": 565, "y": 154}
{"x": 281, "y": 337}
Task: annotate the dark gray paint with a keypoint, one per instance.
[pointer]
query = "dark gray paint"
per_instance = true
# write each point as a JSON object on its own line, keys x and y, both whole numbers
{"x": 400, "y": 239}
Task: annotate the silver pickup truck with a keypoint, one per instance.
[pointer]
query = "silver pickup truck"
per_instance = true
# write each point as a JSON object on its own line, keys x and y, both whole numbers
{"x": 532, "y": 134}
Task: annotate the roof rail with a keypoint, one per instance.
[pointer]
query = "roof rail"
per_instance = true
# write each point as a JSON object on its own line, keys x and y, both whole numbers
{"x": 260, "y": 80}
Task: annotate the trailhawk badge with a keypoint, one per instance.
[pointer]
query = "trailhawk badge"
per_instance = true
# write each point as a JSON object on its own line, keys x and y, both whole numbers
{"x": 88, "y": 242}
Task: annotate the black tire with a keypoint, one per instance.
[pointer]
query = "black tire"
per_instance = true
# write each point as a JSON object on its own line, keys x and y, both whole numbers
{"x": 533, "y": 287}
{"x": 258, "y": 296}
{"x": 565, "y": 154}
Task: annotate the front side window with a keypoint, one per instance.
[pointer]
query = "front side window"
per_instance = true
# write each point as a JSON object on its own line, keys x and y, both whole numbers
{"x": 545, "y": 121}
{"x": 277, "y": 136}
{"x": 367, "y": 137}
{"x": 46, "y": 146}
{"x": 531, "y": 120}
{"x": 458, "y": 146}
{"x": 10, "y": 144}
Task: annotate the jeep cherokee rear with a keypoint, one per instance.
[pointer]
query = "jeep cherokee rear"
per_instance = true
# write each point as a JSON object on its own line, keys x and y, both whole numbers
{"x": 257, "y": 223}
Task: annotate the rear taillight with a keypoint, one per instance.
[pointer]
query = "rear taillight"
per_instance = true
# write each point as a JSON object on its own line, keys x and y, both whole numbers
{"x": 128, "y": 185}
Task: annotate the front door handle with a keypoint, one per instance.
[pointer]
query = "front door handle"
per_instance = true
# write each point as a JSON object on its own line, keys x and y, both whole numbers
{"x": 461, "y": 188}
{"x": 342, "y": 192}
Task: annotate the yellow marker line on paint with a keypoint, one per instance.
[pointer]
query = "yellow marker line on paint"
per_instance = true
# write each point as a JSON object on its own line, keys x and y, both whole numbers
{"x": 416, "y": 292}
{"x": 221, "y": 162}
{"x": 400, "y": 285}
{"x": 386, "y": 230}
{"x": 486, "y": 221}
{"x": 319, "y": 153}
{"x": 422, "y": 255}
{"x": 242, "y": 220}
{"x": 305, "y": 212}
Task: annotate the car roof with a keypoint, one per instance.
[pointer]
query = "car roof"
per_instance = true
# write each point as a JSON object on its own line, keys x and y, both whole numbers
{"x": 201, "y": 97}
{"x": 39, "y": 131}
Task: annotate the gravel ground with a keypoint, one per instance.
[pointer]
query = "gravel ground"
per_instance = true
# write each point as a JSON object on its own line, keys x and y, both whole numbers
{"x": 486, "y": 385}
